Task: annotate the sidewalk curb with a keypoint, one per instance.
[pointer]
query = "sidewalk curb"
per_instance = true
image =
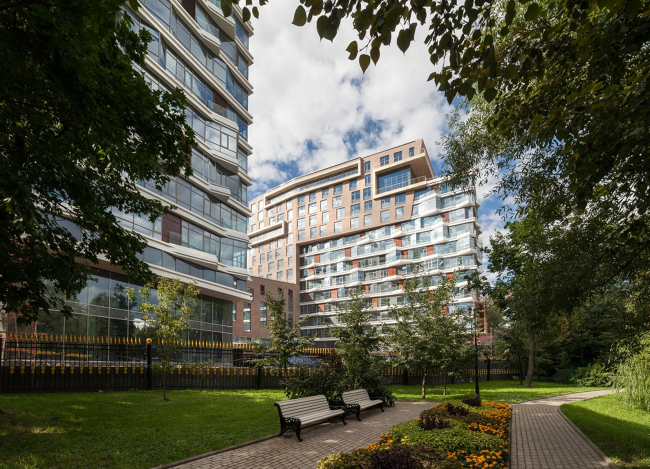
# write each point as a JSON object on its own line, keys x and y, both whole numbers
{"x": 218, "y": 451}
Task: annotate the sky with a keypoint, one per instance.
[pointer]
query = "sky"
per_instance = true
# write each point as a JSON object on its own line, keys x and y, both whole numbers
{"x": 313, "y": 108}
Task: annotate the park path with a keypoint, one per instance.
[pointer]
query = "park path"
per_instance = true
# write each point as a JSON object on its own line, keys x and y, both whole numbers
{"x": 542, "y": 437}
{"x": 318, "y": 442}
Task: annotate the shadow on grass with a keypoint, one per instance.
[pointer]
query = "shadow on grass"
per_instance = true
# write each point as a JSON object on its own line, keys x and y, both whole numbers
{"x": 129, "y": 429}
{"x": 627, "y": 443}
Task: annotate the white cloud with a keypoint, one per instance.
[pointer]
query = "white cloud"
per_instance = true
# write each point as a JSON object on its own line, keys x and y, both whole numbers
{"x": 307, "y": 91}
{"x": 308, "y": 98}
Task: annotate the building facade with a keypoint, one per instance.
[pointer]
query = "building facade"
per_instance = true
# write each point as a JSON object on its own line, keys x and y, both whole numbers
{"x": 251, "y": 317}
{"x": 204, "y": 239}
{"x": 365, "y": 224}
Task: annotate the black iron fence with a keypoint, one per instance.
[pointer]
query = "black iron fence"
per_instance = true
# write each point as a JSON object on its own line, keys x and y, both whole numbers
{"x": 31, "y": 363}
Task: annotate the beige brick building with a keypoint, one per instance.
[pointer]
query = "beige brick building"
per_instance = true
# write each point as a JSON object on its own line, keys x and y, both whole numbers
{"x": 363, "y": 224}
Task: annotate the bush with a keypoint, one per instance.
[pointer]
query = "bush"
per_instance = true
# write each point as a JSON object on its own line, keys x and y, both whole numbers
{"x": 365, "y": 457}
{"x": 472, "y": 401}
{"x": 593, "y": 375}
{"x": 465, "y": 443}
{"x": 456, "y": 411}
{"x": 433, "y": 423}
{"x": 453, "y": 439}
{"x": 633, "y": 375}
{"x": 377, "y": 385}
{"x": 395, "y": 458}
{"x": 324, "y": 376}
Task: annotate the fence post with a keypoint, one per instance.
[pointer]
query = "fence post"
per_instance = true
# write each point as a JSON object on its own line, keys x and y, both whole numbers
{"x": 149, "y": 380}
{"x": 488, "y": 369}
{"x": 258, "y": 378}
{"x": 406, "y": 377}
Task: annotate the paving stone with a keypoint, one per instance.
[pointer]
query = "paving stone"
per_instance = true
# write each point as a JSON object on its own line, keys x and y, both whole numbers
{"x": 318, "y": 441}
{"x": 542, "y": 437}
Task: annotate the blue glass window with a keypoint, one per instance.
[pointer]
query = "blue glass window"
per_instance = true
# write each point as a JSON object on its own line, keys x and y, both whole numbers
{"x": 394, "y": 180}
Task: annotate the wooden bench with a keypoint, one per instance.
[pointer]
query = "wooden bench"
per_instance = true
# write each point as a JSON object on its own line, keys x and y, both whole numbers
{"x": 362, "y": 400}
{"x": 296, "y": 413}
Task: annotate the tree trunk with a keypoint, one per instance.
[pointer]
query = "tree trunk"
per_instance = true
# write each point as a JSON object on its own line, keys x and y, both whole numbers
{"x": 444, "y": 384}
{"x": 531, "y": 360}
{"x": 164, "y": 386}
{"x": 424, "y": 380}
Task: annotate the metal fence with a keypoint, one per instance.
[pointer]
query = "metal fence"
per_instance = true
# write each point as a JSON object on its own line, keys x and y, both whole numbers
{"x": 37, "y": 363}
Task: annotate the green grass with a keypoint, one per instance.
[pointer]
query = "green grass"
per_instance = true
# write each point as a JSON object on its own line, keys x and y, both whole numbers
{"x": 129, "y": 429}
{"x": 498, "y": 391}
{"x": 620, "y": 431}
{"x": 139, "y": 429}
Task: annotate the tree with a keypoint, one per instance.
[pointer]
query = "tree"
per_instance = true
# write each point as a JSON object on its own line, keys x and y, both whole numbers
{"x": 166, "y": 318}
{"x": 425, "y": 334}
{"x": 356, "y": 338}
{"x": 286, "y": 339}
{"x": 568, "y": 73}
{"x": 82, "y": 127}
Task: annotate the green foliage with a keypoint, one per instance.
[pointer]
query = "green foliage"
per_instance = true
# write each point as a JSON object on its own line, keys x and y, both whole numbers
{"x": 448, "y": 439}
{"x": 166, "y": 318}
{"x": 70, "y": 108}
{"x": 593, "y": 375}
{"x": 357, "y": 339}
{"x": 325, "y": 376}
{"x": 426, "y": 337}
{"x": 286, "y": 339}
{"x": 633, "y": 374}
{"x": 365, "y": 458}
{"x": 563, "y": 71}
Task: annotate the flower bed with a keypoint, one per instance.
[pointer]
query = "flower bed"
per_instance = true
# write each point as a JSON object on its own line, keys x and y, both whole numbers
{"x": 477, "y": 437}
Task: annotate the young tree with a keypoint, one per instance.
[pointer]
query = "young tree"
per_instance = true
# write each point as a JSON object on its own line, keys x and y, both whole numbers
{"x": 356, "y": 338}
{"x": 81, "y": 127}
{"x": 425, "y": 333}
{"x": 286, "y": 340}
{"x": 166, "y": 319}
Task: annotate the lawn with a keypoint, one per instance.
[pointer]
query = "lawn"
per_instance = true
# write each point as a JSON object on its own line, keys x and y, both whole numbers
{"x": 498, "y": 391}
{"x": 621, "y": 432}
{"x": 138, "y": 429}
{"x": 129, "y": 429}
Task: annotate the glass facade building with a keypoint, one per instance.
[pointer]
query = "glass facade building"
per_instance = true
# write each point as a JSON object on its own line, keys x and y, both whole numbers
{"x": 197, "y": 49}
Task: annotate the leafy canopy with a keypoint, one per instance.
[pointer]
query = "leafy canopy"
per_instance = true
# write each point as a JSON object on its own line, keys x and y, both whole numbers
{"x": 81, "y": 127}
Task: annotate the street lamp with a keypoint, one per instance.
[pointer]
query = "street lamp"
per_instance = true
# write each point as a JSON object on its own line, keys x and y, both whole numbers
{"x": 475, "y": 309}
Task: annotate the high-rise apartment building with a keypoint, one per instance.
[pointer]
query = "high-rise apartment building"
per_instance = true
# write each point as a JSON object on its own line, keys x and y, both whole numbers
{"x": 364, "y": 224}
{"x": 204, "y": 239}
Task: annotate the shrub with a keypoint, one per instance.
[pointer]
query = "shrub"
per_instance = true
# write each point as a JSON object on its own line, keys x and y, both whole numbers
{"x": 395, "y": 458}
{"x": 377, "y": 385}
{"x": 472, "y": 401}
{"x": 433, "y": 423}
{"x": 633, "y": 375}
{"x": 592, "y": 376}
{"x": 324, "y": 376}
{"x": 365, "y": 457}
{"x": 460, "y": 446}
{"x": 456, "y": 411}
{"x": 453, "y": 439}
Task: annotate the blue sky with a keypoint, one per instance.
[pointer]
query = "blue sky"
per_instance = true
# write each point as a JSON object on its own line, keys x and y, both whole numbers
{"x": 313, "y": 108}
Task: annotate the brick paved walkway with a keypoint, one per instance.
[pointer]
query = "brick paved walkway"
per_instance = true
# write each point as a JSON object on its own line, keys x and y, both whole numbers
{"x": 543, "y": 438}
{"x": 319, "y": 441}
